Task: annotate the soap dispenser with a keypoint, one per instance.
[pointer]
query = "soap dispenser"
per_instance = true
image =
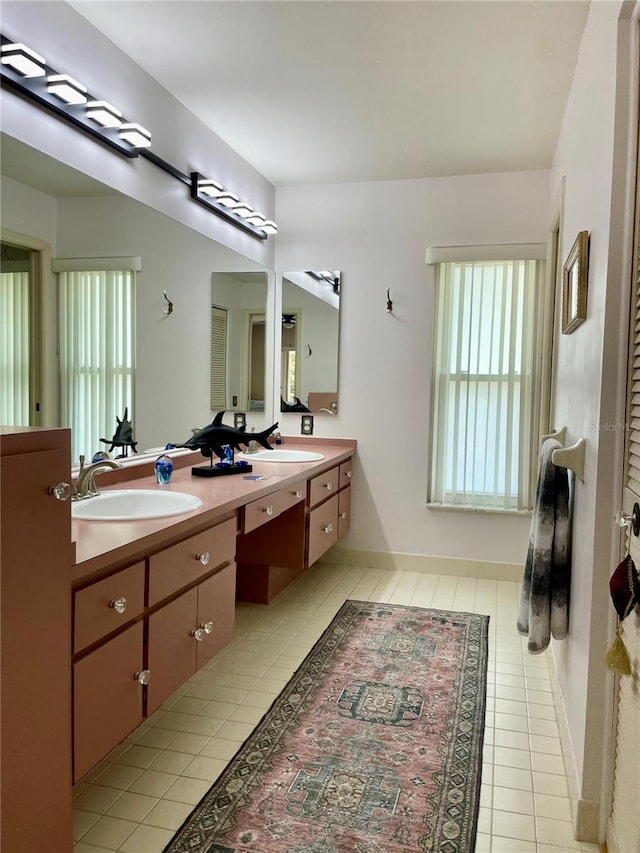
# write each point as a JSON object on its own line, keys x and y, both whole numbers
{"x": 278, "y": 436}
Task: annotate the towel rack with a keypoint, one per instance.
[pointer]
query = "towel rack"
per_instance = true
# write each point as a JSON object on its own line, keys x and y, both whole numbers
{"x": 568, "y": 457}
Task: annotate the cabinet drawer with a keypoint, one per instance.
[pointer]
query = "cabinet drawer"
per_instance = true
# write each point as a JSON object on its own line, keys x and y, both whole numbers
{"x": 106, "y": 605}
{"x": 182, "y": 564}
{"x": 344, "y": 511}
{"x": 216, "y": 610}
{"x": 323, "y": 486}
{"x": 107, "y": 699}
{"x": 345, "y": 473}
{"x": 264, "y": 509}
{"x": 323, "y": 529}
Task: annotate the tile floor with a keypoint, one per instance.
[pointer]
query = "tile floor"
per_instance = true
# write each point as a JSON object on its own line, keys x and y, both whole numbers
{"x": 141, "y": 793}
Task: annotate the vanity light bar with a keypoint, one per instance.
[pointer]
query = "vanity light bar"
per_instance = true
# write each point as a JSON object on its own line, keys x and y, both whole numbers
{"x": 67, "y": 89}
{"x": 24, "y": 60}
{"x": 104, "y": 114}
{"x": 25, "y": 72}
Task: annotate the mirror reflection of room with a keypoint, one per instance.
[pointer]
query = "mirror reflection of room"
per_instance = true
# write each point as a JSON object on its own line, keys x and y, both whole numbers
{"x": 310, "y": 341}
{"x": 238, "y": 341}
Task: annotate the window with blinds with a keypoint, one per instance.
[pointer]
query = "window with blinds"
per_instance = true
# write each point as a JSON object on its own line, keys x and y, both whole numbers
{"x": 96, "y": 313}
{"x": 219, "y": 319}
{"x": 486, "y": 384}
{"x": 14, "y": 348}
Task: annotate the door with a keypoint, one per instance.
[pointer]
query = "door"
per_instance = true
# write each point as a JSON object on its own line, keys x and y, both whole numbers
{"x": 623, "y": 833}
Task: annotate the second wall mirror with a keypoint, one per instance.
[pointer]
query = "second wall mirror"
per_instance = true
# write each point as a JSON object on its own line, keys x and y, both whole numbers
{"x": 310, "y": 341}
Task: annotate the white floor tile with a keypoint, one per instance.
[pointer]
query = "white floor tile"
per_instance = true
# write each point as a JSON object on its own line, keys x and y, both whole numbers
{"x": 142, "y": 792}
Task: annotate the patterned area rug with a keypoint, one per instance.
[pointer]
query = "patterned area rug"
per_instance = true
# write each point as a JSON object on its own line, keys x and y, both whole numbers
{"x": 374, "y": 745}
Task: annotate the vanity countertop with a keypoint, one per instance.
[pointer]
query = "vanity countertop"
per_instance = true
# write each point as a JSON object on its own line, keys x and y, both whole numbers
{"x": 104, "y": 544}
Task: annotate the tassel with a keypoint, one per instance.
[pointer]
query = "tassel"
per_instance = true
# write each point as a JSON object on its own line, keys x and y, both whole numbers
{"x": 617, "y": 657}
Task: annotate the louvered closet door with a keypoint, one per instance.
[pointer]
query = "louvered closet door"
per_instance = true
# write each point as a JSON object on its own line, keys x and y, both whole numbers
{"x": 623, "y": 834}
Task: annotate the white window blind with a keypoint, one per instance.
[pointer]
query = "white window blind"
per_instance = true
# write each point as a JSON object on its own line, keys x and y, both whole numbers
{"x": 218, "y": 358}
{"x": 486, "y": 385}
{"x": 14, "y": 348}
{"x": 97, "y": 354}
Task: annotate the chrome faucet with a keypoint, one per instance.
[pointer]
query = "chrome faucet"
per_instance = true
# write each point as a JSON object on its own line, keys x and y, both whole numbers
{"x": 253, "y": 446}
{"x": 85, "y": 485}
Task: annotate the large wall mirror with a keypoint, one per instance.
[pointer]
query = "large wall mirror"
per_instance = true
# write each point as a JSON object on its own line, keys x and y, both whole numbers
{"x": 310, "y": 341}
{"x": 80, "y": 218}
{"x": 238, "y": 341}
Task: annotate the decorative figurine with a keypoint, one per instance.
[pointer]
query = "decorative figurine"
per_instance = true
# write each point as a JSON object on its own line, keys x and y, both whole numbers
{"x": 215, "y": 437}
{"x": 123, "y": 436}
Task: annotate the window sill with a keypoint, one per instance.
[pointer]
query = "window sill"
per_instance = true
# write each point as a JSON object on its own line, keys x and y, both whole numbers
{"x": 483, "y": 509}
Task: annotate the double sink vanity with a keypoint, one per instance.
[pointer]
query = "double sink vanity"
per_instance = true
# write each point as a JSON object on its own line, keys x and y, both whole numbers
{"x": 153, "y": 599}
{"x": 102, "y": 620}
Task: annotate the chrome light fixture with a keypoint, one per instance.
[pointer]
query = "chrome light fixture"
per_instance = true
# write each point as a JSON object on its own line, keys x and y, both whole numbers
{"x": 67, "y": 89}
{"x": 270, "y": 227}
{"x": 256, "y": 219}
{"x": 228, "y": 199}
{"x": 210, "y": 188}
{"x": 242, "y": 209}
{"x": 104, "y": 114}
{"x": 24, "y": 60}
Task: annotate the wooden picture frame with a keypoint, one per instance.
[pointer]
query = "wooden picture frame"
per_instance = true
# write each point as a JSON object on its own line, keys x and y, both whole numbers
{"x": 574, "y": 284}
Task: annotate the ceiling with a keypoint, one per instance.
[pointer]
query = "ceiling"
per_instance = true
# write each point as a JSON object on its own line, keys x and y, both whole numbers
{"x": 333, "y": 90}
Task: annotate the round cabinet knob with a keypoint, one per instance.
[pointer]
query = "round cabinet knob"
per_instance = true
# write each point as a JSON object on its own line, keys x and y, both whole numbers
{"x": 207, "y": 627}
{"x": 349, "y": 474}
{"x": 198, "y": 634}
{"x": 328, "y": 528}
{"x": 268, "y": 509}
{"x": 203, "y": 558}
{"x": 296, "y": 493}
{"x": 144, "y": 676}
{"x": 119, "y": 604}
{"x": 328, "y": 486}
{"x": 61, "y": 491}
{"x": 343, "y": 515}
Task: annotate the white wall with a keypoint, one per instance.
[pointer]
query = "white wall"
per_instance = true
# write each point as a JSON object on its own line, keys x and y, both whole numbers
{"x": 71, "y": 45}
{"x": 377, "y": 233}
{"x": 592, "y": 156}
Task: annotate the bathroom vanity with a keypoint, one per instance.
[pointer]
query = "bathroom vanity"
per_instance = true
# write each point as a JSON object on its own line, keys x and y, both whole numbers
{"x": 153, "y": 600}
{"x": 102, "y": 621}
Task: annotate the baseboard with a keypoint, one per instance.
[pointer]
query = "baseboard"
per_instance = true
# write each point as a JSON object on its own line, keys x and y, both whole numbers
{"x": 423, "y": 563}
{"x": 585, "y": 813}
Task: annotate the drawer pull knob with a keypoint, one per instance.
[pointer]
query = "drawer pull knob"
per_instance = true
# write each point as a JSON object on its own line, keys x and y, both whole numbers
{"x": 203, "y": 558}
{"x": 207, "y": 627}
{"x": 119, "y": 604}
{"x": 198, "y": 634}
{"x": 328, "y": 528}
{"x": 144, "y": 676}
{"x": 61, "y": 491}
{"x": 268, "y": 509}
{"x": 349, "y": 474}
{"x": 328, "y": 486}
{"x": 296, "y": 493}
{"x": 343, "y": 515}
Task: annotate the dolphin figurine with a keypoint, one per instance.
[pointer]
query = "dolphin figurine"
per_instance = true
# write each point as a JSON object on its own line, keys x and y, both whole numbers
{"x": 212, "y": 438}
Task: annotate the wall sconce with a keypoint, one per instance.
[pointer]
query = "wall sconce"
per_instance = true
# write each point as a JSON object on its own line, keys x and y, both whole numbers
{"x": 306, "y": 425}
{"x": 240, "y": 420}
{"x": 23, "y": 72}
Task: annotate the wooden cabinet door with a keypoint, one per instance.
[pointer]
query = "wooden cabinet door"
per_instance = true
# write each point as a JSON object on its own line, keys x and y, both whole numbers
{"x": 344, "y": 511}
{"x": 35, "y": 638}
{"x": 171, "y": 656}
{"x": 216, "y": 605}
{"x": 107, "y": 698}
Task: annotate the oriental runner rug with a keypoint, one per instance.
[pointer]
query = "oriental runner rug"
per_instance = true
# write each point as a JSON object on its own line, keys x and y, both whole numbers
{"x": 374, "y": 745}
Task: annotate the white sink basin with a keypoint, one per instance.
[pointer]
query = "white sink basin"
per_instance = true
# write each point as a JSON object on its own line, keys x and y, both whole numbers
{"x": 279, "y": 455}
{"x": 133, "y": 504}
